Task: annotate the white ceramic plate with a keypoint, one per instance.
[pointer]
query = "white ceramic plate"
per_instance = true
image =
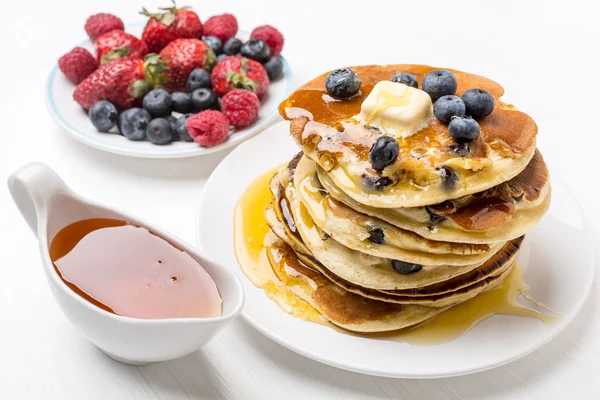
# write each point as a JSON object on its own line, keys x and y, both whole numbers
{"x": 70, "y": 116}
{"x": 558, "y": 259}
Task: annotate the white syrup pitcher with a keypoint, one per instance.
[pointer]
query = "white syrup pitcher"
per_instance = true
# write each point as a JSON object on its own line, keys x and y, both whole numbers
{"x": 48, "y": 206}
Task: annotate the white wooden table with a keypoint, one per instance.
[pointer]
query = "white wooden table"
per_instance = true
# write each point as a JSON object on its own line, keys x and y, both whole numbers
{"x": 545, "y": 55}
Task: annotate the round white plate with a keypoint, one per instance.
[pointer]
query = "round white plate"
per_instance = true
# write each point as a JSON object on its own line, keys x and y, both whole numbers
{"x": 558, "y": 259}
{"x": 69, "y": 115}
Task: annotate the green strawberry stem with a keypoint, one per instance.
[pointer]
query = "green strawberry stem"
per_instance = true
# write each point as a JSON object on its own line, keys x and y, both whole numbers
{"x": 154, "y": 76}
{"x": 139, "y": 88}
{"x": 240, "y": 79}
{"x": 119, "y": 52}
{"x": 210, "y": 60}
{"x": 154, "y": 69}
{"x": 167, "y": 17}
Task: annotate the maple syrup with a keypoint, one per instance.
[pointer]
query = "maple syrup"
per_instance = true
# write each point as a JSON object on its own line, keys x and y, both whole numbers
{"x": 129, "y": 271}
{"x": 251, "y": 240}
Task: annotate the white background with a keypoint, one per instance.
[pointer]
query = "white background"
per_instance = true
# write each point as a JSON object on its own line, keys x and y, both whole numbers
{"x": 545, "y": 54}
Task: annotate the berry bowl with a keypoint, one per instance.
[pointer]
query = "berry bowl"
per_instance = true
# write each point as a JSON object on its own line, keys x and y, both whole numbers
{"x": 75, "y": 121}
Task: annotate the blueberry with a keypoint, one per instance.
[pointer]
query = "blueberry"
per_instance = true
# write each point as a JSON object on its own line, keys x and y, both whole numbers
{"x": 463, "y": 129}
{"x": 447, "y": 107}
{"x": 132, "y": 123}
{"x": 434, "y": 217}
{"x": 375, "y": 183}
{"x": 181, "y": 131}
{"x": 449, "y": 177}
{"x": 439, "y": 83}
{"x": 256, "y": 49}
{"x": 214, "y": 43}
{"x": 384, "y": 152}
{"x": 198, "y": 78}
{"x": 402, "y": 267}
{"x": 172, "y": 121}
{"x": 407, "y": 79}
{"x": 376, "y": 236}
{"x": 182, "y": 102}
{"x": 103, "y": 115}
{"x": 232, "y": 46}
{"x": 158, "y": 103}
{"x": 342, "y": 83}
{"x": 159, "y": 131}
{"x": 221, "y": 57}
{"x": 274, "y": 67}
{"x": 204, "y": 99}
{"x": 479, "y": 103}
{"x": 461, "y": 148}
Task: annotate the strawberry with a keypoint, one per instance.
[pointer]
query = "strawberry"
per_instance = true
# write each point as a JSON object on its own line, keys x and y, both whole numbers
{"x": 183, "y": 56}
{"x": 174, "y": 23}
{"x": 127, "y": 44}
{"x": 123, "y": 82}
{"x": 236, "y": 72}
{"x": 222, "y": 26}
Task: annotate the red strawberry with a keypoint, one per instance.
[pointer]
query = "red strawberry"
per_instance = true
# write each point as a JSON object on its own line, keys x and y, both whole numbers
{"x": 127, "y": 44}
{"x": 238, "y": 72}
{"x": 99, "y": 24}
{"x": 240, "y": 107}
{"x": 272, "y": 36}
{"x": 183, "y": 56}
{"x": 123, "y": 82}
{"x": 208, "y": 128}
{"x": 174, "y": 23}
{"x": 77, "y": 64}
{"x": 222, "y": 26}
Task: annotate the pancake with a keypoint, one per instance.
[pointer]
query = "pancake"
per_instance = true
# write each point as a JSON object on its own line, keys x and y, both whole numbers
{"x": 374, "y": 273}
{"x": 439, "y": 294}
{"x": 354, "y": 229}
{"x": 328, "y": 133}
{"x": 501, "y": 213}
{"x": 339, "y": 306}
{"x": 443, "y": 300}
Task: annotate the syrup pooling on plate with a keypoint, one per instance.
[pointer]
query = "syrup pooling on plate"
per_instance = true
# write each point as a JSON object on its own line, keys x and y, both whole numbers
{"x": 129, "y": 271}
{"x": 459, "y": 319}
{"x": 251, "y": 236}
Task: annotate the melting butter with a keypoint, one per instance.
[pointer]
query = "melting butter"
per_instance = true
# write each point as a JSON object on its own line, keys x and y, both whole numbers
{"x": 396, "y": 109}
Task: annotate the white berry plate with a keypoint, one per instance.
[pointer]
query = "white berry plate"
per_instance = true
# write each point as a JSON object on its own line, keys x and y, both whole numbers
{"x": 558, "y": 259}
{"x": 74, "y": 120}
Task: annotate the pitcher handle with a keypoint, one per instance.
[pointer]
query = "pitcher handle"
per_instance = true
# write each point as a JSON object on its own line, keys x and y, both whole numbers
{"x": 31, "y": 187}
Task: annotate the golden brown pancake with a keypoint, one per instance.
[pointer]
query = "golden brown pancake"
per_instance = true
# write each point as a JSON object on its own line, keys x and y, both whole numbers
{"x": 442, "y": 292}
{"x": 328, "y": 134}
{"x": 501, "y": 213}
{"x": 339, "y": 306}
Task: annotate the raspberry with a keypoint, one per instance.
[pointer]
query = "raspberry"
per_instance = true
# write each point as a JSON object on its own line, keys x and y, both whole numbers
{"x": 222, "y": 26}
{"x": 240, "y": 107}
{"x": 77, "y": 64}
{"x": 99, "y": 24}
{"x": 272, "y": 36}
{"x": 208, "y": 128}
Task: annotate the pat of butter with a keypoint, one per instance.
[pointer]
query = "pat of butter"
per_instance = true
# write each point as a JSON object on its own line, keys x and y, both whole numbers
{"x": 396, "y": 109}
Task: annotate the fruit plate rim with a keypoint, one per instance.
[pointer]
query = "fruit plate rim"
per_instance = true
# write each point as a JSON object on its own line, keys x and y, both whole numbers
{"x": 132, "y": 148}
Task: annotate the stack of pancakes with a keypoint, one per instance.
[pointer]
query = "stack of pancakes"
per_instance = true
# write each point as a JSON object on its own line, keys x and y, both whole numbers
{"x": 385, "y": 250}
